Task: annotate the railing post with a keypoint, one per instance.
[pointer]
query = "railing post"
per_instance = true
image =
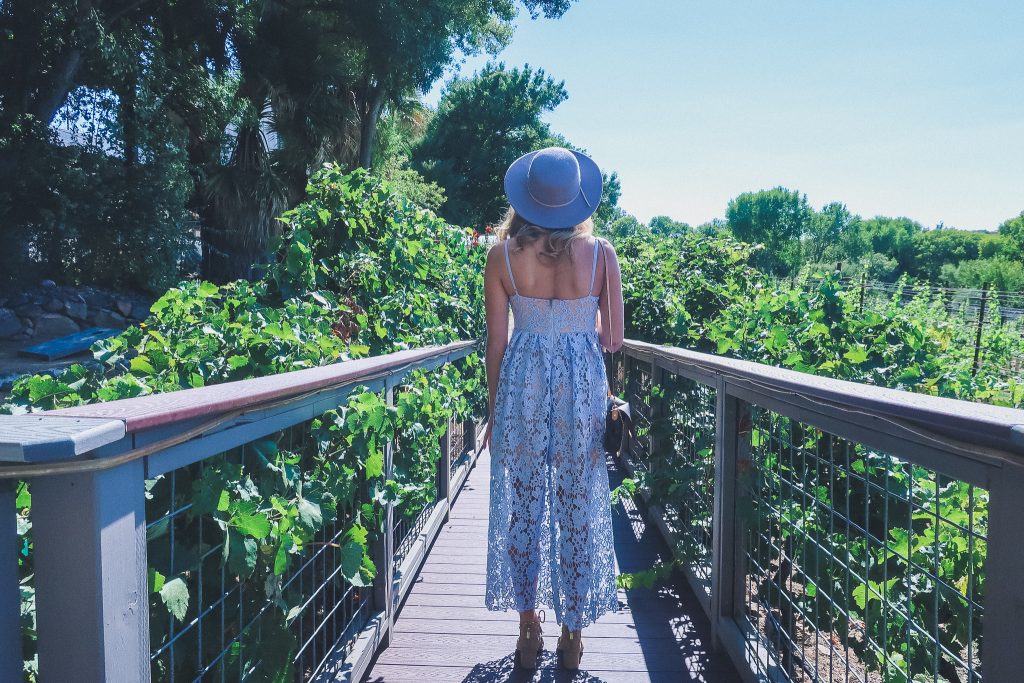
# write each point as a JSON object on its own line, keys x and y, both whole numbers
{"x": 92, "y": 599}
{"x": 444, "y": 469}
{"x": 1003, "y": 658}
{"x": 10, "y": 589}
{"x": 469, "y": 433}
{"x": 732, "y": 445}
{"x": 384, "y": 552}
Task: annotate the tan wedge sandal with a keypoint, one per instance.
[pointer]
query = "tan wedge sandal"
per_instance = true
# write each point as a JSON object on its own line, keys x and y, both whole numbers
{"x": 531, "y": 642}
{"x": 570, "y": 645}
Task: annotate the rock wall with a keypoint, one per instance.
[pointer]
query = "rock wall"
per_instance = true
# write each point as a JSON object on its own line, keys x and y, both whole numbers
{"x": 49, "y": 311}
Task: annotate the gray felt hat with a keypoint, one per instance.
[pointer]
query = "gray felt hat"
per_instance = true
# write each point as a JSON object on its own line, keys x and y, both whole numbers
{"x": 554, "y": 187}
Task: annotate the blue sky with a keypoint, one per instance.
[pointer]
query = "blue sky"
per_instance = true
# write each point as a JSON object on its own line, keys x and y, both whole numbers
{"x": 901, "y": 107}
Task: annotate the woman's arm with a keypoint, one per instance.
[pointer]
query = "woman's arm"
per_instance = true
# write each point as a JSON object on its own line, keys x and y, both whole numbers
{"x": 611, "y": 336}
{"x": 496, "y": 305}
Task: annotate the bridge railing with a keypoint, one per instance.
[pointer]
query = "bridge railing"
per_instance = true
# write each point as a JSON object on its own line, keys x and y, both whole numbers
{"x": 148, "y": 497}
{"x": 834, "y": 531}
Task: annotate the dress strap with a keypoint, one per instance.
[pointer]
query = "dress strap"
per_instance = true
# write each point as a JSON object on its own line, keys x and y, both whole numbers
{"x": 593, "y": 267}
{"x": 508, "y": 264}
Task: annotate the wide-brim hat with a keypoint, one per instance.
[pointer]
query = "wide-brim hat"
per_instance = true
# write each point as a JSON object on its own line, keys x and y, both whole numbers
{"x": 554, "y": 187}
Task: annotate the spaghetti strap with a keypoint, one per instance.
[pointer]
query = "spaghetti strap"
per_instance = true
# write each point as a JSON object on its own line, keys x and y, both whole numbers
{"x": 593, "y": 267}
{"x": 508, "y": 265}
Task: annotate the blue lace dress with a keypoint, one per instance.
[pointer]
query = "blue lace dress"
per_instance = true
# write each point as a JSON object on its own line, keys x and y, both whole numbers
{"x": 550, "y": 532}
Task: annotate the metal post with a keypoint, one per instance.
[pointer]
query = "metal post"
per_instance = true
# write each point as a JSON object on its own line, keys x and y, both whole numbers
{"x": 469, "y": 435}
{"x": 444, "y": 469}
{"x": 384, "y": 550}
{"x": 977, "y": 339}
{"x": 10, "y": 589}
{"x": 732, "y": 444}
{"x": 1003, "y": 658}
{"x": 863, "y": 287}
{"x": 92, "y": 600}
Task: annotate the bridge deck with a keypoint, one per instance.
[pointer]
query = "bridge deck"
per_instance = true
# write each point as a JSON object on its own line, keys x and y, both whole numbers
{"x": 444, "y": 632}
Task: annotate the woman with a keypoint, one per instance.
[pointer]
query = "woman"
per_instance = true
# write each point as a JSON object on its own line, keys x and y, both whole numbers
{"x": 550, "y": 533}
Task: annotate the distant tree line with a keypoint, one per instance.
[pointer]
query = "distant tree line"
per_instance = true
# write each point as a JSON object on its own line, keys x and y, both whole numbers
{"x": 795, "y": 237}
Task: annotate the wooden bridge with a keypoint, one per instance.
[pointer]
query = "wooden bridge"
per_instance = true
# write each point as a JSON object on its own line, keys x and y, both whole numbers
{"x": 823, "y": 531}
{"x": 444, "y": 632}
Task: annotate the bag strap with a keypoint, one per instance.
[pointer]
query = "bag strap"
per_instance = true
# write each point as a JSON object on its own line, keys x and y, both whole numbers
{"x": 607, "y": 295}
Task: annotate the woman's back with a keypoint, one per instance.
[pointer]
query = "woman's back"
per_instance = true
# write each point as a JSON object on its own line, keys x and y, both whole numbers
{"x": 555, "y": 313}
{"x": 578, "y": 274}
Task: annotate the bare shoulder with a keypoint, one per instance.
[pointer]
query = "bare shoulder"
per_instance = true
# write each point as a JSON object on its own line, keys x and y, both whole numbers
{"x": 494, "y": 252}
{"x": 605, "y": 244}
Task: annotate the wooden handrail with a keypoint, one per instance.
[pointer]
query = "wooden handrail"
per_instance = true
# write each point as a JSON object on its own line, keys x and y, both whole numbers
{"x": 66, "y": 433}
{"x": 994, "y": 427}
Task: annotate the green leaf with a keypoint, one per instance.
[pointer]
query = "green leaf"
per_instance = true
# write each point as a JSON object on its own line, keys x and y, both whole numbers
{"x": 375, "y": 464}
{"x": 256, "y": 525}
{"x": 352, "y": 561}
{"x": 856, "y": 355}
{"x": 309, "y": 513}
{"x": 156, "y": 581}
{"x": 281, "y": 556}
{"x": 240, "y": 554}
{"x": 174, "y": 594}
{"x": 141, "y": 364}
{"x": 208, "y": 289}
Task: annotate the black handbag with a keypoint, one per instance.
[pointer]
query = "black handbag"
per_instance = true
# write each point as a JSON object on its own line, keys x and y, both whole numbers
{"x": 618, "y": 418}
{"x": 618, "y": 424}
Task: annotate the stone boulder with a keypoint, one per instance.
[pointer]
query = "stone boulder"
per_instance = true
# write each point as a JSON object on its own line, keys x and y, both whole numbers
{"x": 52, "y": 325}
{"x": 10, "y": 325}
{"x": 106, "y": 318}
{"x": 77, "y": 310}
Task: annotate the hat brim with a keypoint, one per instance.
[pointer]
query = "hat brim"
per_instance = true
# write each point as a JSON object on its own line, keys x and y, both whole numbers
{"x": 554, "y": 217}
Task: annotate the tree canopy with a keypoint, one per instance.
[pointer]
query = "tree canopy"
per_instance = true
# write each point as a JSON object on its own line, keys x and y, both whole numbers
{"x": 228, "y": 103}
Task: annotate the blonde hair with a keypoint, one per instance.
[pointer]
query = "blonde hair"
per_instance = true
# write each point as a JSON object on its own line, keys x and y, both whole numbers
{"x": 557, "y": 243}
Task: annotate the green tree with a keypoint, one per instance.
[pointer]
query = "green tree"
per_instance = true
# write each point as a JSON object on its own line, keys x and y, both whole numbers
{"x": 626, "y": 225}
{"x": 775, "y": 218}
{"x": 999, "y": 273}
{"x": 934, "y": 249}
{"x": 663, "y": 225}
{"x": 825, "y": 230}
{"x": 891, "y": 237}
{"x": 484, "y": 123}
{"x": 1013, "y": 234}
{"x": 244, "y": 99}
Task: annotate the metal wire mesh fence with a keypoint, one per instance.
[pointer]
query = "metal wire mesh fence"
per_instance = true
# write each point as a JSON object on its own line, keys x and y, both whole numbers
{"x": 457, "y": 440}
{"x": 674, "y": 454}
{"x": 851, "y": 564}
{"x": 218, "y": 625}
{"x": 860, "y": 566}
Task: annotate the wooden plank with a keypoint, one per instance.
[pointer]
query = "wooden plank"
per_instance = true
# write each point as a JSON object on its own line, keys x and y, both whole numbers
{"x": 597, "y": 661}
{"x": 1003, "y": 658}
{"x": 502, "y": 670}
{"x": 92, "y": 609}
{"x": 39, "y": 437}
{"x": 407, "y": 623}
{"x": 146, "y": 412}
{"x": 61, "y": 347}
{"x": 660, "y": 648}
